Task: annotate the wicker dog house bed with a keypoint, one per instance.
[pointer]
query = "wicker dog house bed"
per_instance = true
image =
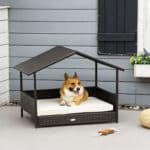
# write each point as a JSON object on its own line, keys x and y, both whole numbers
{"x": 30, "y": 99}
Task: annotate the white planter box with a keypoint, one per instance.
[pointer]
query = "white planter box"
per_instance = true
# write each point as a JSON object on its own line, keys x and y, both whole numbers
{"x": 142, "y": 71}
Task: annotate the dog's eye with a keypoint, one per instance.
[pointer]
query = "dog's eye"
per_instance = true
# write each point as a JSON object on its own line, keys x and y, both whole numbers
{"x": 79, "y": 83}
{"x": 72, "y": 83}
{"x": 71, "y": 89}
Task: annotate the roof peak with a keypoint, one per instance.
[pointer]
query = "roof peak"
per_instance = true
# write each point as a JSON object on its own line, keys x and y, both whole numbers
{"x": 53, "y": 56}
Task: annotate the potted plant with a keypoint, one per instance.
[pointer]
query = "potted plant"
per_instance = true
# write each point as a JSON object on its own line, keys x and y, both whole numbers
{"x": 141, "y": 64}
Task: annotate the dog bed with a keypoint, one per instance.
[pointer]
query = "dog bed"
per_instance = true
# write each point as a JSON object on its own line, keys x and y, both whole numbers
{"x": 52, "y": 107}
{"x": 41, "y": 103}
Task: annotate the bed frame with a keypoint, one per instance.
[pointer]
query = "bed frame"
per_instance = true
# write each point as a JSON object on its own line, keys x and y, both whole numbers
{"x": 29, "y": 98}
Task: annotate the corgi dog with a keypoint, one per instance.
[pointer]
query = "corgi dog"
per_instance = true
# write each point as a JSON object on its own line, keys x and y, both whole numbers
{"x": 72, "y": 91}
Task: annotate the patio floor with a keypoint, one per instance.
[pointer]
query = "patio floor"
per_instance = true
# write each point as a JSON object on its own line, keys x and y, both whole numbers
{"x": 20, "y": 134}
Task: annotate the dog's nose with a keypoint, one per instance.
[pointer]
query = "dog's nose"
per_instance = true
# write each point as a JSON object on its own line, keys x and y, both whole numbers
{"x": 78, "y": 89}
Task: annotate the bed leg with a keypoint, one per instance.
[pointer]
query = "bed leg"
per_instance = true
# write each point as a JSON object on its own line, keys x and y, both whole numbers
{"x": 36, "y": 123}
{"x": 116, "y": 120}
{"x": 117, "y": 117}
{"x": 21, "y": 112}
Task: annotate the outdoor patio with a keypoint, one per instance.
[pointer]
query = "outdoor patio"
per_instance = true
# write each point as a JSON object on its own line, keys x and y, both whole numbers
{"x": 20, "y": 134}
{"x": 106, "y": 42}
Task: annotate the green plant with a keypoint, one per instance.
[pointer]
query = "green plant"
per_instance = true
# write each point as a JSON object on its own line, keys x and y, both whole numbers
{"x": 140, "y": 59}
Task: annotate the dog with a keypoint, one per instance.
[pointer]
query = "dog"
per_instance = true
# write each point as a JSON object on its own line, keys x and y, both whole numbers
{"x": 72, "y": 91}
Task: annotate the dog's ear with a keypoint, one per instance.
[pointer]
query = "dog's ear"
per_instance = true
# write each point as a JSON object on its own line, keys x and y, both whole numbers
{"x": 75, "y": 75}
{"x": 66, "y": 76}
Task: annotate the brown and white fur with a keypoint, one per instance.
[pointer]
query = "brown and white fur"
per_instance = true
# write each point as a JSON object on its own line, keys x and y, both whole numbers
{"x": 72, "y": 91}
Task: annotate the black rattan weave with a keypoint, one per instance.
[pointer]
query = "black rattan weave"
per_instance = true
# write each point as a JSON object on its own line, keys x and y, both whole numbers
{"x": 29, "y": 98}
{"x": 28, "y": 103}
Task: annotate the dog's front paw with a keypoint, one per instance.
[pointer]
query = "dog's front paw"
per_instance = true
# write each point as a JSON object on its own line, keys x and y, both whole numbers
{"x": 62, "y": 103}
{"x": 77, "y": 102}
{"x": 70, "y": 104}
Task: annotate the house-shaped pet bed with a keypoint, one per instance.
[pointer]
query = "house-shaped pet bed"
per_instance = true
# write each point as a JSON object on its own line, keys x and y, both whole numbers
{"x": 43, "y": 105}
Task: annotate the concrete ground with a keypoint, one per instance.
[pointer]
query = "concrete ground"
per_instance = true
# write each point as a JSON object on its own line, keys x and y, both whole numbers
{"x": 20, "y": 134}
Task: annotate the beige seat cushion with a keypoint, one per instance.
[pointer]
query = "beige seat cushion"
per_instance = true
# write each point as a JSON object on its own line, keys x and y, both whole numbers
{"x": 52, "y": 107}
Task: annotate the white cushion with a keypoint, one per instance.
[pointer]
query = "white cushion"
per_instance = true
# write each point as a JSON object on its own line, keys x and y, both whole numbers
{"x": 52, "y": 107}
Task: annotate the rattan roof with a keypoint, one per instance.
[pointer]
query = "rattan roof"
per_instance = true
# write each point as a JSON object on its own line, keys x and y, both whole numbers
{"x": 53, "y": 56}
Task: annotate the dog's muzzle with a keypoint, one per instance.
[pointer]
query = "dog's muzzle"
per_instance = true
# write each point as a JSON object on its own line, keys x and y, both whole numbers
{"x": 75, "y": 91}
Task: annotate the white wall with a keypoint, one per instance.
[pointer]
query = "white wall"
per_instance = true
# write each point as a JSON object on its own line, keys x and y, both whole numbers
{"x": 4, "y": 56}
{"x": 143, "y": 25}
{"x": 146, "y": 30}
